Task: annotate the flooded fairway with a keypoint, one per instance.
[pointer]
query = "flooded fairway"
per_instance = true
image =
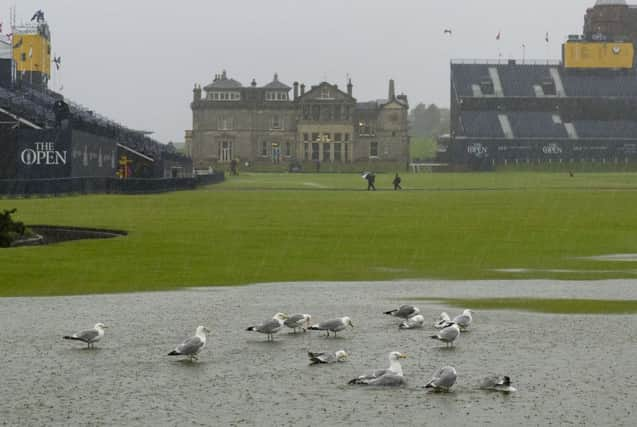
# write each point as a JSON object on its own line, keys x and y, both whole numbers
{"x": 568, "y": 369}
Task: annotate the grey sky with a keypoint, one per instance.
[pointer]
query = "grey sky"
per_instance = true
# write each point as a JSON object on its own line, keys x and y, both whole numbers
{"x": 136, "y": 61}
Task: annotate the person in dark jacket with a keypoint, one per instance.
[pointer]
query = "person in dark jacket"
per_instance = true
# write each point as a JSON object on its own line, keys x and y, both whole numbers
{"x": 396, "y": 183}
{"x": 371, "y": 178}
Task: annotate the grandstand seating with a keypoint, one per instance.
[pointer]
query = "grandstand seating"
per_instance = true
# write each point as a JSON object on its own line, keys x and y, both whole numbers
{"x": 518, "y": 80}
{"x": 36, "y": 106}
{"x": 482, "y": 124}
{"x": 606, "y": 129}
{"x": 603, "y": 85}
{"x": 466, "y": 75}
{"x": 536, "y": 125}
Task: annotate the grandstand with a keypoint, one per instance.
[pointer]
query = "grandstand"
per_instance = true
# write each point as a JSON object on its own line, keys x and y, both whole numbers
{"x": 86, "y": 144}
{"x": 580, "y": 109}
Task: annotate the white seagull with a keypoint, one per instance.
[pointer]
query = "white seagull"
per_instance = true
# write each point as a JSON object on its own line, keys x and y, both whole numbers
{"x": 404, "y": 311}
{"x": 464, "y": 320}
{"x": 392, "y": 376}
{"x": 497, "y": 383}
{"x": 443, "y": 379}
{"x": 270, "y": 327}
{"x": 318, "y": 358}
{"x": 442, "y": 320}
{"x": 415, "y": 322}
{"x": 193, "y": 345}
{"x": 448, "y": 334}
{"x": 89, "y": 336}
{"x": 301, "y": 321}
{"x": 334, "y": 325}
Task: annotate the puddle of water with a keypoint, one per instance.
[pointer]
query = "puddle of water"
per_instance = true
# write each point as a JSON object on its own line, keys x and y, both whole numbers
{"x": 314, "y": 184}
{"x": 558, "y": 270}
{"x": 242, "y": 379}
{"x": 613, "y": 257}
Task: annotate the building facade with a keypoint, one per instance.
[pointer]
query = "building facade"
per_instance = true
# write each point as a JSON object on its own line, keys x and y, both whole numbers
{"x": 268, "y": 124}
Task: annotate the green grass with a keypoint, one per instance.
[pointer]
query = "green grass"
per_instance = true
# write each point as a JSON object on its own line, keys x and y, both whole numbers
{"x": 289, "y": 227}
{"x": 553, "y": 306}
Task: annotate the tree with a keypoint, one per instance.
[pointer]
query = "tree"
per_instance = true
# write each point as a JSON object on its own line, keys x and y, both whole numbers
{"x": 10, "y": 230}
{"x": 428, "y": 121}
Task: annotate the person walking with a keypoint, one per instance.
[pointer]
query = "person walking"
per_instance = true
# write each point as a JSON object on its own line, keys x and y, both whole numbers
{"x": 396, "y": 183}
{"x": 371, "y": 178}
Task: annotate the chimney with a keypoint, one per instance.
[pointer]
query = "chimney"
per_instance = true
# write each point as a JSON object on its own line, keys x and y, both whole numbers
{"x": 302, "y": 89}
{"x": 254, "y": 83}
{"x": 349, "y": 87}
{"x": 296, "y": 90}
{"x": 392, "y": 91}
{"x": 196, "y": 93}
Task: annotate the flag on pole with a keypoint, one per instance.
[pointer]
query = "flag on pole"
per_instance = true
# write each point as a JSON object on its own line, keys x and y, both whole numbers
{"x": 497, "y": 37}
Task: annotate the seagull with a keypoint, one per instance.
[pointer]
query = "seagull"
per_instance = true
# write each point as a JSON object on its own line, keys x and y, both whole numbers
{"x": 334, "y": 325}
{"x": 443, "y": 379}
{"x": 448, "y": 334}
{"x": 442, "y": 320}
{"x": 270, "y": 327}
{"x": 89, "y": 336}
{"x": 392, "y": 376}
{"x": 298, "y": 321}
{"x": 464, "y": 320}
{"x": 317, "y": 358}
{"x": 497, "y": 383}
{"x": 193, "y": 345}
{"x": 404, "y": 311}
{"x": 417, "y": 321}
{"x": 447, "y": 31}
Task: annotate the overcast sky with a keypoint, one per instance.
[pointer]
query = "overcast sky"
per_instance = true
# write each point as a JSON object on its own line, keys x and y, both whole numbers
{"x": 137, "y": 61}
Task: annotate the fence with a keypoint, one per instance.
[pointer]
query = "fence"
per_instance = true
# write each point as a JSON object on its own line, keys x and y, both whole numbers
{"x": 97, "y": 185}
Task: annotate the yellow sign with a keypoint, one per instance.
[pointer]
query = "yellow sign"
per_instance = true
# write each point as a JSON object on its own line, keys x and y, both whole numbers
{"x": 598, "y": 55}
{"x": 32, "y": 52}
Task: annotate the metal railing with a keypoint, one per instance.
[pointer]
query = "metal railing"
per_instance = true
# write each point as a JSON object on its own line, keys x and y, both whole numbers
{"x": 503, "y": 61}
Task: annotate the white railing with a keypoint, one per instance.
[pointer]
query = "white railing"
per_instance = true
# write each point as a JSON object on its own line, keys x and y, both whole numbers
{"x": 504, "y": 61}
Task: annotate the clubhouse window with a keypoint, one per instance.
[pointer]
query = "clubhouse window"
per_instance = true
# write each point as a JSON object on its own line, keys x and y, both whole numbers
{"x": 337, "y": 152}
{"x": 315, "y": 151}
{"x": 316, "y": 136}
{"x": 373, "y": 149}
{"x": 326, "y": 152}
{"x": 306, "y": 137}
{"x": 338, "y": 137}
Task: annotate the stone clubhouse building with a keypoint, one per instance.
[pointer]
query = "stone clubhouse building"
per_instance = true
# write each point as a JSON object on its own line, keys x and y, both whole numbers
{"x": 268, "y": 125}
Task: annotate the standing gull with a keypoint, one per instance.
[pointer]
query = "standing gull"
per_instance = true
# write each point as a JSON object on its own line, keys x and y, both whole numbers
{"x": 317, "y": 358}
{"x": 334, "y": 325}
{"x": 271, "y": 326}
{"x": 89, "y": 336}
{"x": 443, "y": 379}
{"x": 442, "y": 320}
{"x": 301, "y": 321}
{"x": 497, "y": 383}
{"x": 448, "y": 334}
{"x": 417, "y": 321}
{"x": 404, "y": 311}
{"x": 392, "y": 376}
{"x": 464, "y": 320}
{"x": 193, "y": 345}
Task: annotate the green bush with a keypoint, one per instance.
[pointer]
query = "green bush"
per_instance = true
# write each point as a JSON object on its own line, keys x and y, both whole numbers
{"x": 10, "y": 230}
